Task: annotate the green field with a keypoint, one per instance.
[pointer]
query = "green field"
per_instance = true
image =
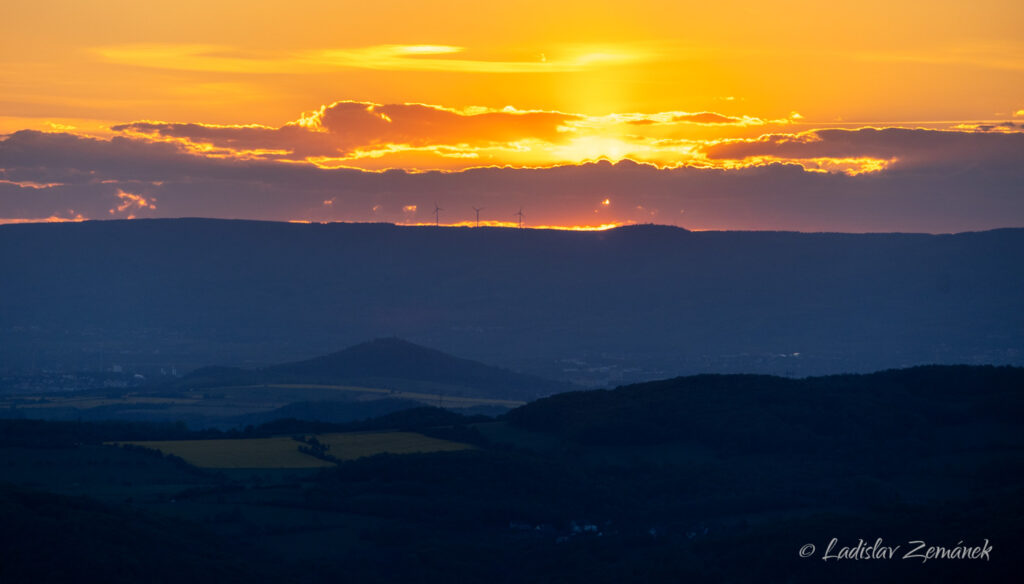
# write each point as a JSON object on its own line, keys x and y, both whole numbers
{"x": 283, "y": 451}
{"x": 199, "y": 406}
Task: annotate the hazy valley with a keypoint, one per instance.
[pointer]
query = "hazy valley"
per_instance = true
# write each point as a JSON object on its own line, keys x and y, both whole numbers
{"x": 235, "y": 401}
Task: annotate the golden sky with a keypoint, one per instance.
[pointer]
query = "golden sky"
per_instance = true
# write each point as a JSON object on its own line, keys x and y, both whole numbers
{"x": 449, "y": 85}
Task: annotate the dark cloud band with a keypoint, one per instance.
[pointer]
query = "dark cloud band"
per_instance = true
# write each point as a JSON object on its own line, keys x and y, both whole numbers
{"x": 952, "y": 181}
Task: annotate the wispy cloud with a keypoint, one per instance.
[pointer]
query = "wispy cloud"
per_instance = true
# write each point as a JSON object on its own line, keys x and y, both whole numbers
{"x": 130, "y": 204}
{"x": 213, "y": 58}
{"x": 50, "y": 219}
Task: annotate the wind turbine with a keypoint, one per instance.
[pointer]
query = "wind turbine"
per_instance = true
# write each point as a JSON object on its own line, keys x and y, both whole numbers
{"x": 437, "y": 215}
{"x": 520, "y": 214}
{"x": 478, "y": 215}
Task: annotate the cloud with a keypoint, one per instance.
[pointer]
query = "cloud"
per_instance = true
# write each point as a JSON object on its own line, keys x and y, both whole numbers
{"x": 416, "y": 136}
{"x": 50, "y": 219}
{"x": 130, "y": 203}
{"x": 706, "y": 118}
{"x": 419, "y": 125}
{"x": 990, "y": 126}
{"x": 446, "y": 58}
{"x": 905, "y": 149}
{"x": 690, "y": 118}
{"x": 58, "y": 175}
{"x": 343, "y": 129}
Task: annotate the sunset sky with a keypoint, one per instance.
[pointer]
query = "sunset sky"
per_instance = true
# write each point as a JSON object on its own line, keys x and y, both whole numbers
{"x": 868, "y": 116}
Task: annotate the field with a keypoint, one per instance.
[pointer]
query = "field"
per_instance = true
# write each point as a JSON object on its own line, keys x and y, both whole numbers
{"x": 353, "y": 445}
{"x": 283, "y": 451}
{"x": 222, "y": 406}
{"x": 433, "y": 399}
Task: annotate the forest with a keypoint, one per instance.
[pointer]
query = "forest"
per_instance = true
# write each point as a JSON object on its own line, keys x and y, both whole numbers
{"x": 705, "y": 478}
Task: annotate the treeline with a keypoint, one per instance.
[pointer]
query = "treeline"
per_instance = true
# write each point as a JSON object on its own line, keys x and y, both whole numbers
{"x": 415, "y": 419}
{"x": 61, "y": 434}
{"x": 58, "y": 434}
{"x": 53, "y": 538}
{"x": 474, "y": 516}
{"x": 748, "y": 414}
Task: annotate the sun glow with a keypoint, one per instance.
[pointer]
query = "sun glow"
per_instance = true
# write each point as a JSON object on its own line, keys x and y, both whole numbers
{"x": 77, "y": 218}
{"x": 515, "y": 225}
{"x": 374, "y": 107}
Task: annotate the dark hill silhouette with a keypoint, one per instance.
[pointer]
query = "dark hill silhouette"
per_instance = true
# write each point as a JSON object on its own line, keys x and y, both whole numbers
{"x": 921, "y": 407}
{"x": 389, "y": 363}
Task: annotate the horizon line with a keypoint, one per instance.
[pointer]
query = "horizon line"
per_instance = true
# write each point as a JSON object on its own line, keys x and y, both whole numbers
{"x": 492, "y": 225}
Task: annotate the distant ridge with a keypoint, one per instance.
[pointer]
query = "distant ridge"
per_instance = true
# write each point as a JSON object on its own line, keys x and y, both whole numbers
{"x": 595, "y": 308}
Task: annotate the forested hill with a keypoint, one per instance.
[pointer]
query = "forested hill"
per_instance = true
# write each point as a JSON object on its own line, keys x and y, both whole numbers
{"x": 884, "y": 413}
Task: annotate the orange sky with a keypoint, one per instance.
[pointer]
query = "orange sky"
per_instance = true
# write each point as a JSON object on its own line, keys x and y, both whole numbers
{"x": 241, "y": 62}
{"x": 456, "y": 85}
